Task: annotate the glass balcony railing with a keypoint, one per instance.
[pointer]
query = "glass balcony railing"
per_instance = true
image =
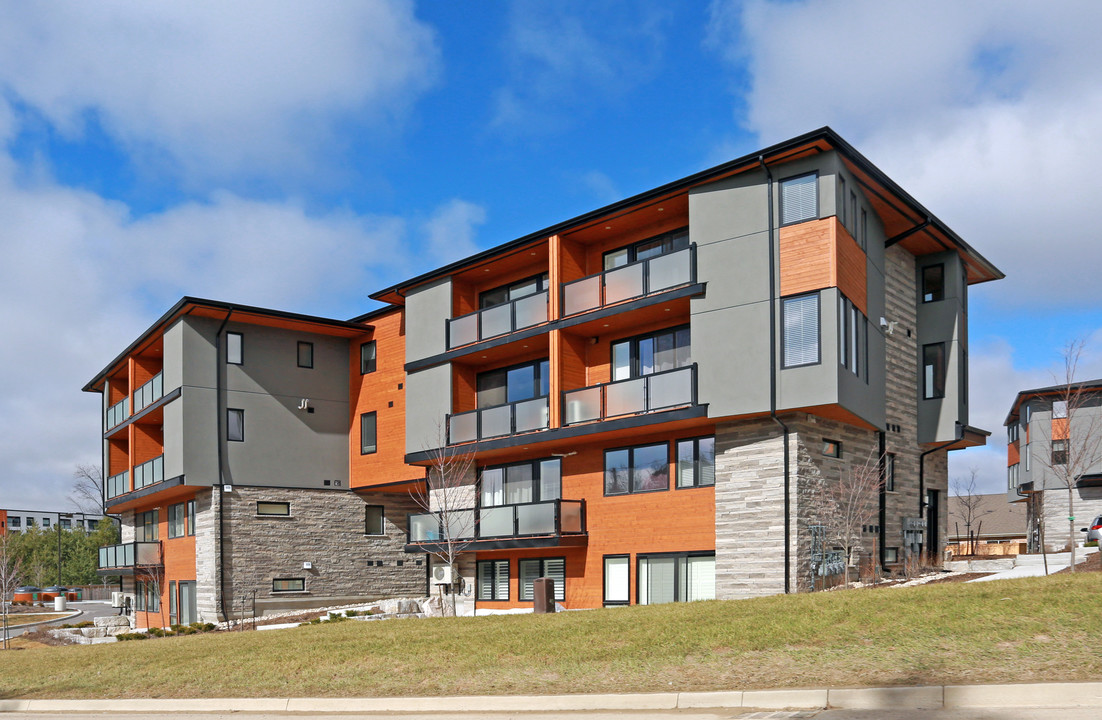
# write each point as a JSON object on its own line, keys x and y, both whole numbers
{"x": 551, "y": 517}
{"x": 658, "y": 391}
{"x": 118, "y": 412}
{"x": 149, "y": 393}
{"x": 149, "y": 472}
{"x": 497, "y": 320}
{"x": 518, "y": 417}
{"x": 129, "y": 555}
{"x": 630, "y": 281}
{"x": 118, "y": 484}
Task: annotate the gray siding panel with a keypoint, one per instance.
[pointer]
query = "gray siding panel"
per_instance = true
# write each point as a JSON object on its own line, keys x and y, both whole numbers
{"x": 427, "y": 310}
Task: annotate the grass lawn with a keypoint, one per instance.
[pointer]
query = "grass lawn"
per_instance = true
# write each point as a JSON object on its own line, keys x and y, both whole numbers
{"x": 15, "y": 620}
{"x": 1029, "y": 630}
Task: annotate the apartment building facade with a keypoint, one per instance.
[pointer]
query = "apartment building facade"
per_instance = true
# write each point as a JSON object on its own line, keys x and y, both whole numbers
{"x": 649, "y": 395}
{"x": 1049, "y": 447}
{"x": 17, "y": 520}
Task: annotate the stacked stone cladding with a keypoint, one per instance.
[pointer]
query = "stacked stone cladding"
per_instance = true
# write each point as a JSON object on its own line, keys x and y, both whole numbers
{"x": 207, "y": 534}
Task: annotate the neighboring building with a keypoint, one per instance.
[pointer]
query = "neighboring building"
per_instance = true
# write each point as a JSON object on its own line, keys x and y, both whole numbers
{"x": 652, "y": 393}
{"x": 20, "y": 520}
{"x": 1039, "y": 441}
{"x": 998, "y": 527}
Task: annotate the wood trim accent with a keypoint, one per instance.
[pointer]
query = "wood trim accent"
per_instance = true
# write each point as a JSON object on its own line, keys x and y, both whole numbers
{"x": 821, "y": 254}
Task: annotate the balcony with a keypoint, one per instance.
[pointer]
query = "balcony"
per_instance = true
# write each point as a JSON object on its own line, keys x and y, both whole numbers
{"x": 497, "y": 421}
{"x": 127, "y": 556}
{"x": 149, "y": 472}
{"x": 149, "y": 393}
{"x": 539, "y": 524}
{"x": 629, "y": 282}
{"x": 118, "y": 484}
{"x": 118, "y": 412}
{"x": 649, "y": 393}
{"x": 498, "y": 320}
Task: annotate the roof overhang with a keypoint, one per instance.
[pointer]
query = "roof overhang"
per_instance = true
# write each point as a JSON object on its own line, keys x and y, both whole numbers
{"x": 1050, "y": 391}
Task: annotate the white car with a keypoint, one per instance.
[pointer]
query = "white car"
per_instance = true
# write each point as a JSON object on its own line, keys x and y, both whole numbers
{"x": 1094, "y": 531}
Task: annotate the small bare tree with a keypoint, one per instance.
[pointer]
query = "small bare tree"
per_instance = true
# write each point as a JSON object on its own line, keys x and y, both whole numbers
{"x": 450, "y": 496}
{"x": 849, "y": 505}
{"x": 9, "y": 577}
{"x": 1075, "y": 434}
{"x": 87, "y": 492}
{"x": 969, "y": 507}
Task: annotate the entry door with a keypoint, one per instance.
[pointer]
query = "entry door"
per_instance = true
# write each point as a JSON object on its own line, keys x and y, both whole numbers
{"x": 187, "y": 603}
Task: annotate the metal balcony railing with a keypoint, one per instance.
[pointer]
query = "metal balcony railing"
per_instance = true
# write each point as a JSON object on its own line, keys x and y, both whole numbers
{"x": 549, "y": 517}
{"x": 149, "y": 472}
{"x": 657, "y": 391}
{"x": 129, "y": 555}
{"x": 509, "y": 419}
{"x": 118, "y": 412}
{"x": 118, "y": 484}
{"x": 627, "y": 282}
{"x": 149, "y": 393}
{"x": 497, "y": 320}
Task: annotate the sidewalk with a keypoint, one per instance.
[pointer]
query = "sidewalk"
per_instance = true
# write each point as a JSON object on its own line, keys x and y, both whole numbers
{"x": 936, "y": 697}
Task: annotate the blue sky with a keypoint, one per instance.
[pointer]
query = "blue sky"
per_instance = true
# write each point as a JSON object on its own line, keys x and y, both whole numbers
{"x": 300, "y": 156}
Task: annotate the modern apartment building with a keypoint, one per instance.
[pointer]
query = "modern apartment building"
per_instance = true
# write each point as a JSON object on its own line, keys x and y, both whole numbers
{"x": 1050, "y": 445}
{"x": 22, "y": 520}
{"x": 650, "y": 395}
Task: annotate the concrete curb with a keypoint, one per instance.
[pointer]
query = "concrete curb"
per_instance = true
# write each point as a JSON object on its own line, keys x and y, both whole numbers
{"x": 75, "y": 613}
{"x": 934, "y": 697}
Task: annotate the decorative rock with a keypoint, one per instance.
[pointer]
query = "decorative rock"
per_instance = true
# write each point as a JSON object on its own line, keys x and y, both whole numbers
{"x": 112, "y": 621}
{"x": 93, "y": 632}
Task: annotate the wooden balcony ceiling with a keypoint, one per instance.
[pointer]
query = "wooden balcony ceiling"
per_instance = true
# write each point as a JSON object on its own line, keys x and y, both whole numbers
{"x": 670, "y": 312}
{"x": 531, "y": 259}
{"x": 671, "y": 211}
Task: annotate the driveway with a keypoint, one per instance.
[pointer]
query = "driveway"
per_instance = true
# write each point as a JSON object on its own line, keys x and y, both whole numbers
{"x": 90, "y": 610}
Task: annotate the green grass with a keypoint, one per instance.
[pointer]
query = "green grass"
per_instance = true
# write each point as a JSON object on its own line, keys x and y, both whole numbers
{"x": 1030, "y": 630}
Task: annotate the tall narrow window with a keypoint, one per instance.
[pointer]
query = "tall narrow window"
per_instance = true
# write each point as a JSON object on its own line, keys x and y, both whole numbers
{"x": 889, "y": 472}
{"x": 306, "y": 354}
{"x": 842, "y": 202}
{"x": 1059, "y": 452}
{"x": 801, "y": 330}
{"x": 863, "y": 231}
{"x": 933, "y": 283}
{"x": 373, "y": 520}
{"x": 235, "y": 425}
{"x": 176, "y": 520}
{"x": 933, "y": 371}
{"x": 493, "y": 579}
{"x": 190, "y": 517}
{"x": 799, "y": 199}
{"x": 617, "y": 579}
{"x": 696, "y": 462}
{"x": 367, "y": 357}
{"x": 853, "y": 210}
{"x": 235, "y": 348}
{"x": 367, "y": 433}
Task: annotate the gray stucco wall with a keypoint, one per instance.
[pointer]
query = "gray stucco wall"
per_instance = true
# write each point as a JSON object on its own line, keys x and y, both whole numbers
{"x": 427, "y": 310}
{"x": 944, "y": 321}
{"x": 428, "y": 401}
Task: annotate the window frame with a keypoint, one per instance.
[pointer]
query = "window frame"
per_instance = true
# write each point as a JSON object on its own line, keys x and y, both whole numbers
{"x": 842, "y": 202}
{"x": 382, "y": 520}
{"x": 940, "y": 294}
{"x": 631, "y": 469}
{"x": 543, "y": 283}
{"x": 889, "y": 472}
{"x": 853, "y": 338}
{"x": 542, "y": 573}
{"x": 149, "y": 519}
{"x": 240, "y": 354}
{"x": 696, "y": 462}
{"x": 235, "y": 437}
{"x": 495, "y": 578}
{"x": 369, "y": 365}
{"x": 672, "y": 237}
{"x": 626, "y": 557}
{"x": 300, "y": 580}
{"x": 639, "y": 558}
{"x": 537, "y": 375}
{"x": 633, "y": 341}
{"x": 374, "y": 446}
{"x": 177, "y": 514}
{"x": 832, "y": 448}
{"x": 273, "y": 503}
{"x": 785, "y": 365}
{"x": 537, "y": 481}
{"x": 814, "y": 174}
{"x": 1060, "y": 456}
{"x": 309, "y": 347}
{"x": 940, "y": 371}
{"x": 189, "y": 517}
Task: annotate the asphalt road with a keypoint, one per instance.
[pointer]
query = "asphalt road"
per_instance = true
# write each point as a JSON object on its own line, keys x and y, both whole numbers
{"x": 89, "y": 611}
{"x": 970, "y": 714}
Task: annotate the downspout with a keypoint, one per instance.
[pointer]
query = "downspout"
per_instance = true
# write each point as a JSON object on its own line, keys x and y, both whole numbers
{"x": 220, "y": 421}
{"x": 773, "y": 375}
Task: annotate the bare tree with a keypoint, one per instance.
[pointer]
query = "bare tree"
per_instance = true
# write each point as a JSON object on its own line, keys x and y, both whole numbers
{"x": 451, "y": 497}
{"x": 9, "y": 577}
{"x": 969, "y": 507}
{"x": 849, "y": 505}
{"x": 87, "y": 492}
{"x": 1074, "y": 436}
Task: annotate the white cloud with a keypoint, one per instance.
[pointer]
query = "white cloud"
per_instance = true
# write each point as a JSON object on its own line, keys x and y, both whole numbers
{"x": 221, "y": 89}
{"x": 450, "y": 232}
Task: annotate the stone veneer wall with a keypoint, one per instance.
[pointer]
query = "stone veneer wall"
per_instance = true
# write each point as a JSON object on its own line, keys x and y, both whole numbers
{"x": 207, "y": 533}
{"x": 326, "y": 529}
{"x": 1088, "y": 504}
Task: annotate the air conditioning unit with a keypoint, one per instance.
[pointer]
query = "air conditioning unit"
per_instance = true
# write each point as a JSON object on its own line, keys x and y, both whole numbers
{"x": 442, "y": 575}
{"x": 116, "y": 599}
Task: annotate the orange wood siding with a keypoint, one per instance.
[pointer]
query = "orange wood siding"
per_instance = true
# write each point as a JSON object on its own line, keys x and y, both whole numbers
{"x": 375, "y": 392}
{"x": 118, "y": 387}
{"x": 118, "y": 456}
{"x": 178, "y": 555}
{"x": 148, "y": 442}
{"x": 1013, "y": 456}
{"x": 144, "y": 370}
{"x": 1059, "y": 428}
{"x": 572, "y": 260}
{"x": 3, "y": 521}
{"x": 464, "y": 388}
{"x": 573, "y": 361}
{"x": 820, "y": 254}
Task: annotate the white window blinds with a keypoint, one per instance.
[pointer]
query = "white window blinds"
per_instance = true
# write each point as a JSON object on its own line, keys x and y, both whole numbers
{"x": 801, "y": 330}
{"x": 799, "y": 199}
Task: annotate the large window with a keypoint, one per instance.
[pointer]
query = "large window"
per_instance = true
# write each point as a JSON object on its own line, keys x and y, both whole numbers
{"x": 176, "y": 520}
{"x": 145, "y": 597}
{"x": 853, "y": 338}
{"x": 933, "y": 371}
{"x": 374, "y": 520}
{"x": 651, "y": 247}
{"x": 235, "y": 348}
{"x": 235, "y": 425}
{"x": 367, "y": 357}
{"x": 306, "y": 354}
{"x": 617, "y": 579}
{"x": 513, "y": 384}
{"x": 532, "y": 568}
{"x": 696, "y": 462}
{"x": 1012, "y": 476}
{"x": 933, "y": 283}
{"x": 534, "y": 481}
{"x": 493, "y": 579}
{"x": 644, "y": 468}
{"x": 648, "y": 354}
{"x": 513, "y": 291}
{"x": 801, "y": 330}
{"x": 676, "y": 578}
{"x": 145, "y": 526}
{"x": 368, "y": 433}
{"x": 799, "y": 199}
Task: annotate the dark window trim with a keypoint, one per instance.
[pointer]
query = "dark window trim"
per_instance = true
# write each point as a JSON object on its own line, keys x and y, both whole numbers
{"x": 1060, "y": 457}
{"x": 841, "y": 211}
{"x": 696, "y": 461}
{"x": 536, "y": 477}
{"x": 300, "y": 580}
{"x": 780, "y": 198}
{"x": 191, "y": 510}
{"x": 542, "y": 573}
{"x": 676, "y": 581}
{"x": 273, "y": 514}
{"x": 228, "y": 412}
{"x": 369, "y": 366}
{"x": 375, "y": 446}
{"x": 241, "y": 338}
{"x": 382, "y": 520}
{"x": 633, "y": 349}
{"x": 922, "y": 290}
{"x": 837, "y": 448}
{"x": 303, "y": 344}
{"x": 516, "y": 366}
{"x": 183, "y": 511}
{"x": 631, "y": 478}
{"x": 942, "y": 370}
{"x": 633, "y": 248}
{"x": 604, "y": 579}
{"x": 889, "y": 472}
{"x": 493, "y": 574}
{"x": 818, "y": 330}
{"x": 543, "y": 282}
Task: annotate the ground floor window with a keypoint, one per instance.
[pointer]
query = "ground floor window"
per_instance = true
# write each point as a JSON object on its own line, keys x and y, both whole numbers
{"x": 676, "y": 578}
{"x": 289, "y": 585}
{"x": 533, "y": 568}
{"x": 146, "y": 596}
{"x": 617, "y": 579}
{"x": 493, "y": 580}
